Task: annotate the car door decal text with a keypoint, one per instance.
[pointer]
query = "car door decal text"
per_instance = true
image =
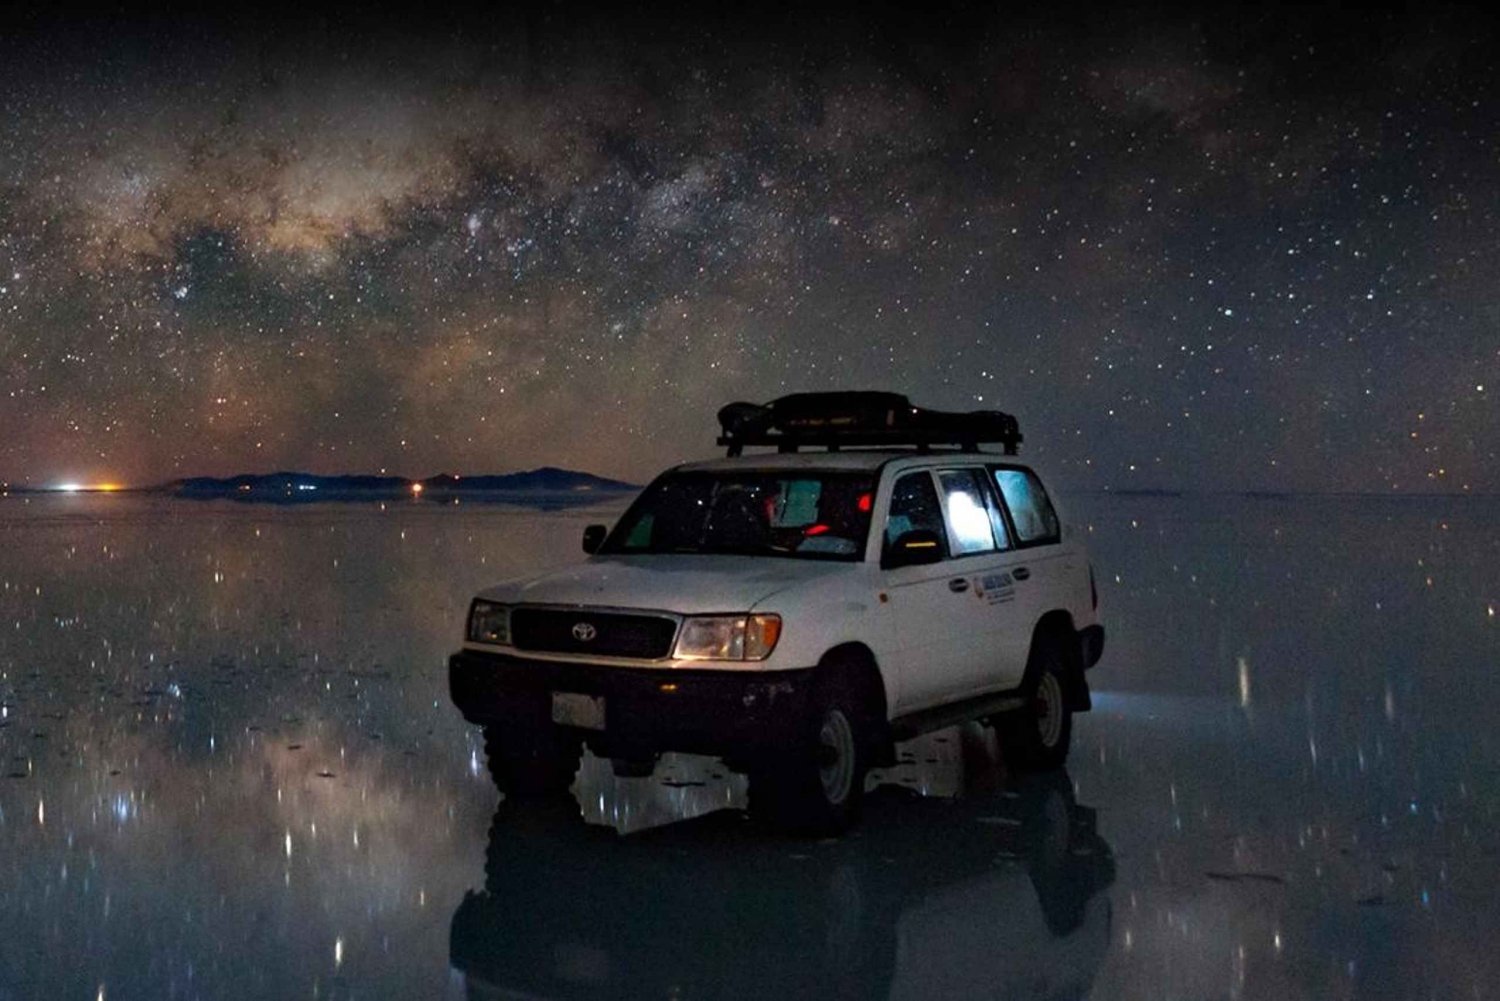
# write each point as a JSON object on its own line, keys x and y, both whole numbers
{"x": 995, "y": 588}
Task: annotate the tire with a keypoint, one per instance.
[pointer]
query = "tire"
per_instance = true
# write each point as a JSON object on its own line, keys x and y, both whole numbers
{"x": 531, "y": 764}
{"x": 816, "y": 788}
{"x": 1037, "y": 736}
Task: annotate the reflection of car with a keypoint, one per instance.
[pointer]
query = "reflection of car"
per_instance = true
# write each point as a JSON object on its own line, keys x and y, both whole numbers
{"x": 998, "y": 895}
{"x": 797, "y": 613}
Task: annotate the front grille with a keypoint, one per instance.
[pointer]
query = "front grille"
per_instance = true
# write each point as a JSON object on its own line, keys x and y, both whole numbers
{"x": 615, "y": 634}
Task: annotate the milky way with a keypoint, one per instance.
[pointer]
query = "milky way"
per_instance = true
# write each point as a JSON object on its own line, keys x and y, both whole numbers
{"x": 1223, "y": 252}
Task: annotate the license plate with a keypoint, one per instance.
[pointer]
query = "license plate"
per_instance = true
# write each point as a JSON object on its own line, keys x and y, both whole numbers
{"x": 573, "y": 709}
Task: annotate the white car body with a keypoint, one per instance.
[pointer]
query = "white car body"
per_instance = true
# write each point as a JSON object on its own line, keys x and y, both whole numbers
{"x": 933, "y": 644}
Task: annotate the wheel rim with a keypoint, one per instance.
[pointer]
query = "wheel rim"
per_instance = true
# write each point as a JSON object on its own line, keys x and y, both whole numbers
{"x": 836, "y": 766}
{"x": 1049, "y": 710}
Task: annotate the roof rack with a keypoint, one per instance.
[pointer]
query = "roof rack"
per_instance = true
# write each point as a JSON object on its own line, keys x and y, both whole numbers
{"x": 860, "y": 419}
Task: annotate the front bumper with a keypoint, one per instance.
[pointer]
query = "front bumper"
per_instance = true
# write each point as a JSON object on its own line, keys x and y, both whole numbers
{"x": 727, "y": 713}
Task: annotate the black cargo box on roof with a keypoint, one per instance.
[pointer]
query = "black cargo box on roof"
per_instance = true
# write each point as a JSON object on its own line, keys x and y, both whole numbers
{"x": 860, "y": 419}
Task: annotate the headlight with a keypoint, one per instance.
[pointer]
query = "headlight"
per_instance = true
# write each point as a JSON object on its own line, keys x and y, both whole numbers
{"x": 728, "y": 637}
{"x": 489, "y": 623}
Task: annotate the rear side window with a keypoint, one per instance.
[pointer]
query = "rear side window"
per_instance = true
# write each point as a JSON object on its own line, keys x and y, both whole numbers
{"x": 914, "y": 505}
{"x": 971, "y": 515}
{"x": 1030, "y": 510}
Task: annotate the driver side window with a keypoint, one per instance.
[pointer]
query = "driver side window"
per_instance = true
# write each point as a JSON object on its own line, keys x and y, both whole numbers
{"x": 914, "y": 505}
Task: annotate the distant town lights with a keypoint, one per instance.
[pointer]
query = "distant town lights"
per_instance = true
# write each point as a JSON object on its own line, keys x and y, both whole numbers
{"x": 102, "y": 488}
{"x": 416, "y": 489}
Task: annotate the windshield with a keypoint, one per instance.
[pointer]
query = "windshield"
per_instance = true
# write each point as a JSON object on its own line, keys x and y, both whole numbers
{"x": 808, "y": 515}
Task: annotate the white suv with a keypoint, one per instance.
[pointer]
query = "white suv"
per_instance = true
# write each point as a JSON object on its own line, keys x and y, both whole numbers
{"x": 797, "y": 613}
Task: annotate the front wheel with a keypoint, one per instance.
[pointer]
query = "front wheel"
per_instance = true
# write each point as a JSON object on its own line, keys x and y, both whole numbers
{"x": 1036, "y": 737}
{"x": 818, "y": 787}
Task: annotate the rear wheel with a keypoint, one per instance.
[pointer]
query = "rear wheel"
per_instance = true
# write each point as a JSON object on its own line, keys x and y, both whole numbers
{"x": 1037, "y": 736}
{"x": 531, "y": 763}
{"x": 817, "y": 787}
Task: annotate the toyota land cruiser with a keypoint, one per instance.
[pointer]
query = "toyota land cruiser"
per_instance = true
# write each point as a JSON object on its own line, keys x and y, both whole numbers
{"x": 797, "y": 612}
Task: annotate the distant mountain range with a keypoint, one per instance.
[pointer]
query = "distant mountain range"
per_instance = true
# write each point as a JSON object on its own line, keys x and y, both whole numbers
{"x": 286, "y": 487}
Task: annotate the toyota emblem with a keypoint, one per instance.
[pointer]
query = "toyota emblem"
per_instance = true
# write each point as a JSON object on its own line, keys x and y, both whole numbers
{"x": 584, "y": 632}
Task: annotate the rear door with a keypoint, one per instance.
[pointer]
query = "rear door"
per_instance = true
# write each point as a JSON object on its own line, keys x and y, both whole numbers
{"x": 933, "y": 616}
{"x": 997, "y": 630}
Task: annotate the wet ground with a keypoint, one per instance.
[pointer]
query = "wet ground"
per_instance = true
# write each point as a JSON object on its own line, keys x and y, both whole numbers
{"x": 228, "y": 768}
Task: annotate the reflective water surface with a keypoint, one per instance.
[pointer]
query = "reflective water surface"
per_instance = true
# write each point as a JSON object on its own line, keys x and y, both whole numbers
{"x": 228, "y": 768}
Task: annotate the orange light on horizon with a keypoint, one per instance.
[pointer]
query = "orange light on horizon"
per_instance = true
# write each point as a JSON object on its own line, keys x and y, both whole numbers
{"x": 416, "y": 489}
{"x": 89, "y": 488}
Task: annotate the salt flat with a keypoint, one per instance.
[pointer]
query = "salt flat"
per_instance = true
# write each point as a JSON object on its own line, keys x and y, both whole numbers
{"x": 229, "y": 768}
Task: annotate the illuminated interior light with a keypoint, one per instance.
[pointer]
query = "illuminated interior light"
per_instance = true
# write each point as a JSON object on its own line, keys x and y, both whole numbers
{"x": 968, "y": 519}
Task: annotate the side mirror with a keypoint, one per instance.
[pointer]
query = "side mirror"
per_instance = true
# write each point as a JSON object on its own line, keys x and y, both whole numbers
{"x": 593, "y": 538}
{"x": 916, "y": 548}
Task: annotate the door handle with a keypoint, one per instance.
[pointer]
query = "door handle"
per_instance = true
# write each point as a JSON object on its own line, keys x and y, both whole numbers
{"x": 958, "y": 585}
{"x": 1020, "y": 573}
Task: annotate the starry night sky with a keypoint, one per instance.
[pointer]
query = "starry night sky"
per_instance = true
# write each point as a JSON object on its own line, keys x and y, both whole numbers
{"x": 1245, "y": 249}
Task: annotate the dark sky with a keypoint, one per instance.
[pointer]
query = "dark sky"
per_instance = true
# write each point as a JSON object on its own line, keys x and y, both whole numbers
{"x": 1243, "y": 249}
